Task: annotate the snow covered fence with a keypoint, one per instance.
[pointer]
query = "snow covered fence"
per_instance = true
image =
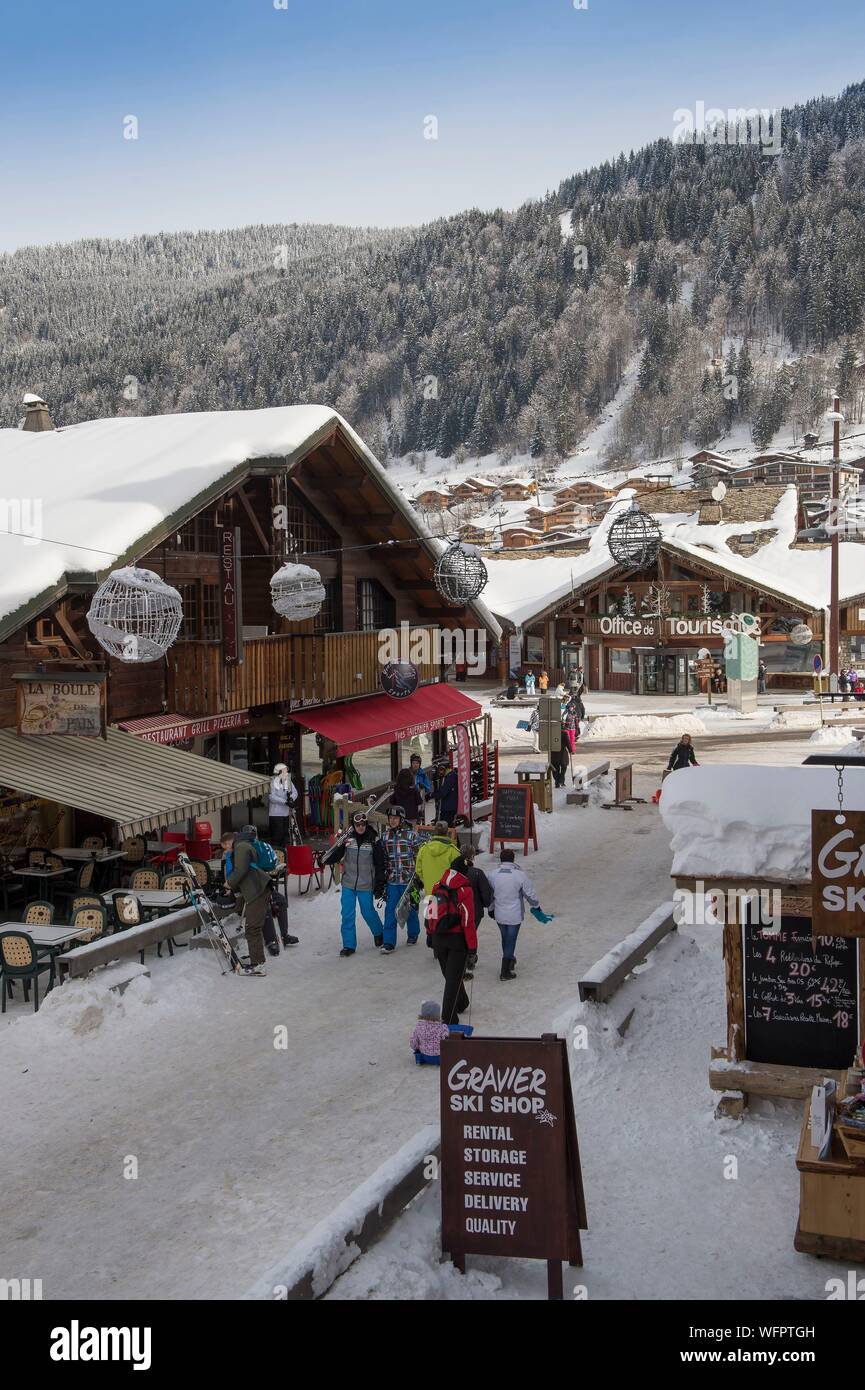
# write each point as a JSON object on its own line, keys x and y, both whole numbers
{"x": 311, "y": 1267}
{"x": 602, "y": 980}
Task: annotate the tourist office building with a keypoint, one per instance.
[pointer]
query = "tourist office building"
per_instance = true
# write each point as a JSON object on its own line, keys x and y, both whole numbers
{"x": 641, "y": 632}
{"x": 226, "y": 498}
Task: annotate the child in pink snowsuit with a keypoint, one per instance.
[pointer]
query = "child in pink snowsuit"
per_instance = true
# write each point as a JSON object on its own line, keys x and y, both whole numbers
{"x": 429, "y": 1030}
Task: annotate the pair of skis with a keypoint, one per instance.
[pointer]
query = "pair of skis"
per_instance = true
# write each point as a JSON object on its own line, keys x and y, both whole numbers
{"x": 213, "y": 928}
{"x": 342, "y": 839}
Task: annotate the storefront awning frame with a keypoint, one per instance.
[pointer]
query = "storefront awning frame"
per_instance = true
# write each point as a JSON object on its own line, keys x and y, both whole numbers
{"x": 140, "y": 786}
{"x": 371, "y": 722}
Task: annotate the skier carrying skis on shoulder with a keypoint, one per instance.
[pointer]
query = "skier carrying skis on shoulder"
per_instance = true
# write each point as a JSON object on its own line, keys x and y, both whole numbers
{"x": 401, "y": 845}
{"x": 451, "y": 927}
{"x": 363, "y": 878}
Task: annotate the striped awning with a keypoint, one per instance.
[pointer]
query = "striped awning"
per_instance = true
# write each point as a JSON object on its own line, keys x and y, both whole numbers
{"x": 141, "y": 786}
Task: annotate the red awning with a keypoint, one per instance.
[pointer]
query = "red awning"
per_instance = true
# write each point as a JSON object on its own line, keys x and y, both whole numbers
{"x": 174, "y": 728}
{"x": 379, "y": 719}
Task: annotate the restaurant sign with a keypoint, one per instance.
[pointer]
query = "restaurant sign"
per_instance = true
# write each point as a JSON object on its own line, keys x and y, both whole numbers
{"x": 66, "y": 704}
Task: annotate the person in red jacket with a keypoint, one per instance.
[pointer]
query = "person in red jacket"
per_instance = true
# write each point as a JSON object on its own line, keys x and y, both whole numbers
{"x": 450, "y": 923}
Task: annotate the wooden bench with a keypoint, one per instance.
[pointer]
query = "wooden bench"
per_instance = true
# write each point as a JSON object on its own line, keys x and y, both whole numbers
{"x": 585, "y": 774}
{"x": 82, "y": 959}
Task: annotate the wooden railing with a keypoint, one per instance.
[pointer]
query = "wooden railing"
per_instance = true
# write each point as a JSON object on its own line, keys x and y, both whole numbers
{"x": 300, "y": 670}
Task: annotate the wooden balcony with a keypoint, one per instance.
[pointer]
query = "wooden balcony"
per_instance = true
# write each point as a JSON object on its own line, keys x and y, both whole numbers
{"x": 299, "y": 670}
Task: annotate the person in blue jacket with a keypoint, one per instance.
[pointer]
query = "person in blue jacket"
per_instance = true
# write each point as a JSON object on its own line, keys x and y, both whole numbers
{"x": 421, "y": 781}
{"x": 447, "y": 795}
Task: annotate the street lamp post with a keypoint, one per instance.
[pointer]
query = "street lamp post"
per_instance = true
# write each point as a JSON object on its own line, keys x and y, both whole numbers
{"x": 834, "y": 508}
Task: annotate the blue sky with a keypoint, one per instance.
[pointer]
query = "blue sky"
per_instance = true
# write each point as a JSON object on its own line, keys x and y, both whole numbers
{"x": 315, "y": 112}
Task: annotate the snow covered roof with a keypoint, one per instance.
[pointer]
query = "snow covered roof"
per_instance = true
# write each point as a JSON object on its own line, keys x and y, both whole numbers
{"x": 799, "y": 577}
{"x": 749, "y": 822}
{"x": 109, "y": 490}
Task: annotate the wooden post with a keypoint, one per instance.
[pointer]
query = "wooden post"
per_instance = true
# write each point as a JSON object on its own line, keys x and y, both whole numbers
{"x": 555, "y": 1282}
{"x": 735, "y": 991}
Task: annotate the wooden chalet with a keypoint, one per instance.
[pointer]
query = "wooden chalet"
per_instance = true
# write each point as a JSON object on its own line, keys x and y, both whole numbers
{"x": 220, "y": 499}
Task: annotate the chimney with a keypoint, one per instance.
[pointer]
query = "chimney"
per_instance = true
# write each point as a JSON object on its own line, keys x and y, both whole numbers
{"x": 36, "y": 415}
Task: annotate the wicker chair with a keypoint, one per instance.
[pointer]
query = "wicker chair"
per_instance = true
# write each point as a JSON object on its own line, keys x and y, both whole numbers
{"x": 53, "y": 861}
{"x": 175, "y": 883}
{"x": 20, "y": 960}
{"x": 35, "y": 858}
{"x": 38, "y": 913}
{"x": 143, "y": 879}
{"x": 201, "y": 871}
{"x": 84, "y": 900}
{"x": 95, "y": 842}
{"x": 134, "y": 850}
{"x": 128, "y": 912}
{"x": 94, "y": 918}
{"x": 83, "y": 884}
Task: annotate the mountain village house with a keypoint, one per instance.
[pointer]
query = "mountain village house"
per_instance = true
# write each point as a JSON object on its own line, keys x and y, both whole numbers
{"x": 215, "y": 503}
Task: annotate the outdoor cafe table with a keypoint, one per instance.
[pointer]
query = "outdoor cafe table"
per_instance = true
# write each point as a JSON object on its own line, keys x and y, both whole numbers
{"x": 100, "y": 856}
{"x": 158, "y": 899}
{"x": 47, "y": 876}
{"x": 50, "y": 940}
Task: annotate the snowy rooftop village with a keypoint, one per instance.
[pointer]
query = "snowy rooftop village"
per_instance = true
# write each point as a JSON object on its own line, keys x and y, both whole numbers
{"x": 432, "y": 694}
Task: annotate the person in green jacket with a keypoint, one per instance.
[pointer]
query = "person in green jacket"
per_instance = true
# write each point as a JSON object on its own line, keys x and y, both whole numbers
{"x": 434, "y": 857}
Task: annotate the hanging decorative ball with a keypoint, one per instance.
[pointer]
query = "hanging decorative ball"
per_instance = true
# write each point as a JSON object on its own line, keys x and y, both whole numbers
{"x": 634, "y": 538}
{"x": 296, "y": 592}
{"x": 135, "y": 615}
{"x": 460, "y": 574}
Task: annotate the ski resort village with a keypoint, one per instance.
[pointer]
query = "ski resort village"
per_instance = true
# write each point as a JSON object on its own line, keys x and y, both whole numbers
{"x": 432, "y": 674}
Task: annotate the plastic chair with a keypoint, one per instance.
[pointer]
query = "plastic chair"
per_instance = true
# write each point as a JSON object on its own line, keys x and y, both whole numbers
{"x": 95, "y": 842}
{"x": 20, "y": 960}
{"x": 201, "y": 871}
{"x": 134, "y": 850}
{"x": 174, "y": 883}
{"x": 299, "y": 863}
{"x": 84, "y": 900}
{"x": 93, "y": 917}
{"x": 38, "y": 913}
{"x": 83, "y": 882}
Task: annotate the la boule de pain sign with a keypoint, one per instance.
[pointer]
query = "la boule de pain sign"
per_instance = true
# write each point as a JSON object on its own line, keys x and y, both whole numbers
{"x": 71, "y": 703}
{"x": 510, "y": 1167}
{"x": 838, "y": 873}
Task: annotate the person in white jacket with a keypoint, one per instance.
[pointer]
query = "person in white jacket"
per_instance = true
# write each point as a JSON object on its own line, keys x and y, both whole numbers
{"x": 280, "y": 806}
{"x": 512, "y": 889}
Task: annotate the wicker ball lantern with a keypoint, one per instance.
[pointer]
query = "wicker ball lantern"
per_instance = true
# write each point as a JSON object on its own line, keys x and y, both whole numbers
{"x": 135, "y": 616}
{"x": 296, "y": 592}
{"x": 460, "y": 574}
{"x": 634, "y": 539}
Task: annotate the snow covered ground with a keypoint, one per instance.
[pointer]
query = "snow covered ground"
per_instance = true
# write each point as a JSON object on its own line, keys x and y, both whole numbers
{"x": 680, "y": 1205}
{"x": 243, "y": 1145}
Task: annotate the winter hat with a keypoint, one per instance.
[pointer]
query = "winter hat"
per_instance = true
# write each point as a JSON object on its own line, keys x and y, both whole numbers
{"x": 430, "y": 1009}
{"x": 280, "y": 767}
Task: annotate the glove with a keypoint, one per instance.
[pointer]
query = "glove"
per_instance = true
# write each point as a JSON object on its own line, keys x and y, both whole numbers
{"x": 471, "y": 960}
{"x": 540, "y": 916}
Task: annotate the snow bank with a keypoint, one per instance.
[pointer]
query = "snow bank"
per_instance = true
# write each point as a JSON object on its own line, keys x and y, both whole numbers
{"x": 328, "y": 1250}
{"x": 747, "y": 821}
{"x": 626, "y": 947}
{"x": 831, "y": 734}
{"x": 621, "y": 726}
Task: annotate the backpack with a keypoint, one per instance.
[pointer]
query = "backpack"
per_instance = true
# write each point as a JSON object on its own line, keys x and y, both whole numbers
{"x": 265, "y": 856}
{"x": 445, "y": 908}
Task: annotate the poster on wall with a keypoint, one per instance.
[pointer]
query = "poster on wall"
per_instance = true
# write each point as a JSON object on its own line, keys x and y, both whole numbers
{"x": 535, "y": 649}
{"x": 515, "y": 652}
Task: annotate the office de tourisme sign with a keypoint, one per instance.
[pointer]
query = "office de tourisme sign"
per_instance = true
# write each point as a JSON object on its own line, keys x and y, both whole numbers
{"x": 672, "y": 626}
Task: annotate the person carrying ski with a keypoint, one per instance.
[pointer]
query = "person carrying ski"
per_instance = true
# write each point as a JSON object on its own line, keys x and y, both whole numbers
{"x": 266, "y": 859}
{"x": 252, "y": 885}
{"x": 512, "y": 889}
{"x": 682, "y": 755}
{"x": 280, "y": 803}
{"x": 450, "y": 924}
{"x": 363, "y": 878}
{"x": 401, "y": 845}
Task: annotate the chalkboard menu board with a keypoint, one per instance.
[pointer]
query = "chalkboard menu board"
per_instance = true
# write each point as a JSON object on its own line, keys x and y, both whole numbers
{"x": 511, "y": 1178}
{"x": 801, "y": 1005}
{"x": 513, "y": 816}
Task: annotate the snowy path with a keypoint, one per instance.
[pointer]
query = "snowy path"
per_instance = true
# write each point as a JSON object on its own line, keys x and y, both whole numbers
{"x": 241, "y": 1147}
{"x": 680, "y": 1205}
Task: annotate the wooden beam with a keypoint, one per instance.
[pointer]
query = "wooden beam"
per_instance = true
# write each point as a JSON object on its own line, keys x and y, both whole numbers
{"x": 247, "y": 507}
